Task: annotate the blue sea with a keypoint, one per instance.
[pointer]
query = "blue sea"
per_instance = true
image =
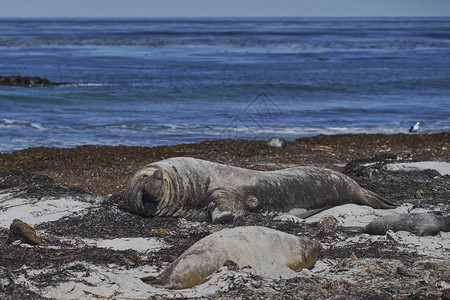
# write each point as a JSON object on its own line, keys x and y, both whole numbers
{"x": 148, "y": 82}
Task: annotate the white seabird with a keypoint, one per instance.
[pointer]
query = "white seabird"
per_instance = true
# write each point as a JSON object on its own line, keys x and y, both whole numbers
{"x": 415, "y": 128}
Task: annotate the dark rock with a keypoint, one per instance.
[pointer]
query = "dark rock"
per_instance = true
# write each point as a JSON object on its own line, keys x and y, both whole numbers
{"x": 20, "y": 230}
{"x": 17, "y": 80}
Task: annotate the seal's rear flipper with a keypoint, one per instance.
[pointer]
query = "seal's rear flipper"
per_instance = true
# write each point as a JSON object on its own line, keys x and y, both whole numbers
{"x": 373, "y": 200}
{"x": 221, "y": 216}
{"x": 304, "y": 213}
{"x": 151, "y": 280}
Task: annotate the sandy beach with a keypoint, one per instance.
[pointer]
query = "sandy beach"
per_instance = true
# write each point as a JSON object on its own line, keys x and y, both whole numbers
{"x": 92, "y": 248}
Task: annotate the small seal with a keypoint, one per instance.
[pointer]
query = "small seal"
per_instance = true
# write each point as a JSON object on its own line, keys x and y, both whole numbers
{"x": 201, "y": 190}
{"x": 241, "y": 245}
{"x": 421, "y": 224}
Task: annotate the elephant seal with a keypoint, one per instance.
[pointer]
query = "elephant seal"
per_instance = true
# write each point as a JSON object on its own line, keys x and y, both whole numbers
{"x": 241, "y": 245}
{"x": 201, "y": 190}
{"x": 421, "y": 224}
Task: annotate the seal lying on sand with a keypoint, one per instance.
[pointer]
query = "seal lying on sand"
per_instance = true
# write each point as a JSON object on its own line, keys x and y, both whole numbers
{"x": 241, "y": 245}
{"x": 202, "y": 190}
{"x": 421, "y": 224}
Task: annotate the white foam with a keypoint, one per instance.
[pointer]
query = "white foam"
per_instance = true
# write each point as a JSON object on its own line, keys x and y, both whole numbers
{"x": 90, "y": 84}
{"x": 9, "y": 123}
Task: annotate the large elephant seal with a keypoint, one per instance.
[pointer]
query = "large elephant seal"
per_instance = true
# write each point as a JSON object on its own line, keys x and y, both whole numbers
{"x": 241, "y": 245}
{"x": 421, "y": 224}
{"x": 202, "y": 190}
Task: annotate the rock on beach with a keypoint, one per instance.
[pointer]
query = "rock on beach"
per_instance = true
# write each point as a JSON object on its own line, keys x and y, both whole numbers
{"x": 25, "y": 81}
{"x": 20, "y": 230}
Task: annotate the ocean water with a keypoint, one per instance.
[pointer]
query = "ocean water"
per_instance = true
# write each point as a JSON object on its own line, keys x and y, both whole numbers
{"x": 154, "y": 82}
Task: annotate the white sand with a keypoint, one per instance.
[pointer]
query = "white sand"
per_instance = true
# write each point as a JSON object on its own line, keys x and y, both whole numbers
{"x": 117, "y": 282}
{"x": 442, "y": 167}
{"x": 142, "y": 245}
{"x": 34, "y": 212}
{"x": 351, "y": 215}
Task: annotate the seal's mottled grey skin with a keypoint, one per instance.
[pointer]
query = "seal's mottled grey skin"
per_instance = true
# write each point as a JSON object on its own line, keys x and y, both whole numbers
{"x": 242, "y": 245}
{"x": 421, "y": 224}
{"x": 203, "y": 190}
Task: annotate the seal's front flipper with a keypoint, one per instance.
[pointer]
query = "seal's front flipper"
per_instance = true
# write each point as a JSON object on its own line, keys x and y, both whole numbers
{"x": 221, "y": 206}
{"x": 220, "y": 212}
{"x": 151, "y": 280}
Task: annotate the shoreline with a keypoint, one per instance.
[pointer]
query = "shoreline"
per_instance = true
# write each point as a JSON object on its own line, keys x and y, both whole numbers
{"x": 105, "y": 170}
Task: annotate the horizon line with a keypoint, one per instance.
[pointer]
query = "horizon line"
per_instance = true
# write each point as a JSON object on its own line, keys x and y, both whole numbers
{"x": 223, "y": 17}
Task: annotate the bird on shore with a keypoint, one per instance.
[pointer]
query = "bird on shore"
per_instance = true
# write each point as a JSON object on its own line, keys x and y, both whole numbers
{"x": 415, "y": 128}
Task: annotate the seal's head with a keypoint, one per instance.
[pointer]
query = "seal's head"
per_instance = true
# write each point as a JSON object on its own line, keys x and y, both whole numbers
{"x": 306, "y": 252}
{"x": 144, "y": 192}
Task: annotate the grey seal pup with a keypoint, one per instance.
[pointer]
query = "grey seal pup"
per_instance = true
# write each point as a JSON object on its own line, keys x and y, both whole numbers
{"x": 421, "y": 224}
{"x": 241, "y": 245}
{"x": 201, "y": 190}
